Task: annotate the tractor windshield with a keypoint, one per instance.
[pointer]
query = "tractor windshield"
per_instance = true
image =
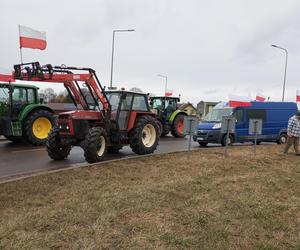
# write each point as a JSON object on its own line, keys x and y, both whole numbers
{"x": 114, "y": 100}
{"x": 4, "y": 99}
{"x": 157, "y": 104}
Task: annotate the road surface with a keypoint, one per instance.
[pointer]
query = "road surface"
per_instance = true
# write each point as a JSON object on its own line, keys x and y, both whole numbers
{"x": 19, "y": 159}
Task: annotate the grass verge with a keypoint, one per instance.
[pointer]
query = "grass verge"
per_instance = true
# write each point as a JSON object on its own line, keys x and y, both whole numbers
{"x": 163, "y": 202}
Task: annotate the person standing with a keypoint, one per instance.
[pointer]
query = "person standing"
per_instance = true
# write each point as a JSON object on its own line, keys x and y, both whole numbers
{"x": 293, "y": 133}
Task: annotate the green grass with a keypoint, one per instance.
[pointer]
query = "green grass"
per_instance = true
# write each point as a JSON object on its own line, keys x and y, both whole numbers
{"x": 160, "y": 202}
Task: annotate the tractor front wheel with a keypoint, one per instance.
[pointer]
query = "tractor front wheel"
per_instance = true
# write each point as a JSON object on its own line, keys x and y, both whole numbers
{"x": 177, "y": 126}
{"x": 37, "y": 127}
{"x": 54, "y": 148}
{"x": 143, "y": 138}
{"x": 95, "y": 145}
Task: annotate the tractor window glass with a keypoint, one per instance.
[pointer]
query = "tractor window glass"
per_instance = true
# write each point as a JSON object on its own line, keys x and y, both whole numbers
{"x": 31, "y": 96}
{"x": 126, "y": 103}
{"x": 4, "y": 95}
{"x": 139, "y": 103}
{"x": 256, "y": 114}
{"x": 114, "y": 100}
{"x": 4, "y": 100}
{"x": 157, "y": 104}
{"x": 19, "y": 96}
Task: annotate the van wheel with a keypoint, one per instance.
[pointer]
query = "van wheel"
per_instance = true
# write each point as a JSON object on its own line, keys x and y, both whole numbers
{"x": 230, "y": 140}
{"x": 282, "y": 138}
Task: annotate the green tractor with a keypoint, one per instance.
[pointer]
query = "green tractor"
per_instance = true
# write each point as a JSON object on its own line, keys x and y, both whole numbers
{"x": 170, "y": 117}
{"x": 23, "y": 117}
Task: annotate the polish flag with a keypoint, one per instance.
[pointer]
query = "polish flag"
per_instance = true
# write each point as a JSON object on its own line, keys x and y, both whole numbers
{"x": 6, "y": 75}
{"x": 260, "y": 97}
{"x": 298, "y": 95}
{"x": 169, "y": 92}
{"x": 33, "y": 39}
{"x": 239, "y": 101}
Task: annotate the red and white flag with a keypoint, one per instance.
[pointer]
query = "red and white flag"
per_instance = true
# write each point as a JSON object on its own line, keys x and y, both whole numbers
{"x": 6, "y": 75}
{"x": 33, "y": 39}
{"x": 169, "y": 92}
{"x": 260, "y": 97}
{"x": 298, "y": 95}
{"x": 239, "y": 101}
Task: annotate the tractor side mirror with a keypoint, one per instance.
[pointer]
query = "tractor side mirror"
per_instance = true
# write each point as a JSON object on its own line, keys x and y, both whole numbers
{"x": 123, "y": 96}
{"x": 11, "y": 89}
{"x": 41, "y": 100}
{"x": 151, "y": 103}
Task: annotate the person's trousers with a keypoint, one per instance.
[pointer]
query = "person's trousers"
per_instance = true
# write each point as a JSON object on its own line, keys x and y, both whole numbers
{"x": 292, "y": 140}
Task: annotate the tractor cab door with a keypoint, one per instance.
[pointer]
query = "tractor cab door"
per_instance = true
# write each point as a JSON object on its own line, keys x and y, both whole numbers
{"x": 170, "y": 107}
{"x": 125, "y": 110}
{"x": 21, "y": 97}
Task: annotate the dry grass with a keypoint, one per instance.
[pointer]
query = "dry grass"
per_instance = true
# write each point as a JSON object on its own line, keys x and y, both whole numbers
{"x": 161, "y": 202}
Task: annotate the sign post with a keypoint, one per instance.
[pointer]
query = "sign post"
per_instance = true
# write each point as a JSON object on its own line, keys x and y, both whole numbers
{"x": 255, "y": 128}
{"x": 190, "y": 126}
{"x": 227, "y": 127}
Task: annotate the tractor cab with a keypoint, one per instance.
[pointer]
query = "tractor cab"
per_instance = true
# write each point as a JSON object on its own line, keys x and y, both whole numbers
{"x": 164, "y": 106}
{"x": 124, "y": 107}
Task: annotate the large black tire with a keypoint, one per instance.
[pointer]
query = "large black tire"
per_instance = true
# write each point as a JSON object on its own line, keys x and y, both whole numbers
{"x": 230, "y": 140}
{"x": 95, "y": 145}
{"x": 143, "y": 138}
{"x": 114, "y": 149}
{"x": 29, "y": 128}
{"x": 54, "y": 148}
{"x": 177, "y": 126}
{"x": 282, "y": 138}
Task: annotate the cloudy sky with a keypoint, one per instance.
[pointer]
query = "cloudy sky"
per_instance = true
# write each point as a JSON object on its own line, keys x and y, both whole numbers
{"x": 208, "y": 49}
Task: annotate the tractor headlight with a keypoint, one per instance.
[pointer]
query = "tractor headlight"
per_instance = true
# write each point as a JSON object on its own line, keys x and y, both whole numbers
{"x": 217, "y": 125}
{"x": 67, "y": 127}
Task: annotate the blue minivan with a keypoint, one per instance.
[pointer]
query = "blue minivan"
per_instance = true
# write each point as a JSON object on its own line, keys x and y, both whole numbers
{"x": 275, "y": 116}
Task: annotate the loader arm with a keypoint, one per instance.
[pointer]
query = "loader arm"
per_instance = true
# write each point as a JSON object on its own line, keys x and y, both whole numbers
{"x": 62, "y": 74}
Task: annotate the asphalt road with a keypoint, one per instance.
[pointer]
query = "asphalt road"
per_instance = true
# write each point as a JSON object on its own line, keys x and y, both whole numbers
{"x": 20, "y": 159}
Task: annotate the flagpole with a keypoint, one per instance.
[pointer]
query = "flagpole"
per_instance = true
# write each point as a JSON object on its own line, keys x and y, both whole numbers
{"x": 21, "y": 55}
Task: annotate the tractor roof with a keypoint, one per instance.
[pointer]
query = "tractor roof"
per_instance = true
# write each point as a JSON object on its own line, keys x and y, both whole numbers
{"x": 18, "y": 85}
{"x": 124, "y": 91}
{"x": 164, "y": 97}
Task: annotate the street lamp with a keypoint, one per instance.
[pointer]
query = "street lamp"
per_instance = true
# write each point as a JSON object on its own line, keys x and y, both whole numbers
{"x": 112, "y": 53}
{"x": 286, "y": 60}
{"x": 166, "y": 81}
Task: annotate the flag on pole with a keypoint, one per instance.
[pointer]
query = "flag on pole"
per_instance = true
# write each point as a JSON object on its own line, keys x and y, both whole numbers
{"x": 239, "y": 101}
{"x": 6, "y": 75}
{"x": 298, "y": 95}
{"x": 260, "y": 97}
{"x": 33, "y": 39}
{"x": 169, "y": 92}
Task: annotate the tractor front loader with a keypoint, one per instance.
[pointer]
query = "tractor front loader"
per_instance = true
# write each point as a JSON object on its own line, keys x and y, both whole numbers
{"x": 103, "y": 121}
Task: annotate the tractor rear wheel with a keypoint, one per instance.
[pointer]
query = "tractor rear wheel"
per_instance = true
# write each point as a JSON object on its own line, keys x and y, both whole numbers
{"x": 177, "y": 126}
{"x": 143, "y": 138}
{"x": 54, "y": 148}
{"x": 37, "y": 126}
{"x": 95, "y": 145}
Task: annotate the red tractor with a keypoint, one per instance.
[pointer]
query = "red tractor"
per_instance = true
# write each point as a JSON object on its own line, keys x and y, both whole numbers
{"x": 104, "y": 121}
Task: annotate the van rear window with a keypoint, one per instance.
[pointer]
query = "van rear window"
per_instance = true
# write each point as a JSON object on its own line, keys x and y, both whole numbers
{"x": 257, "y": 114}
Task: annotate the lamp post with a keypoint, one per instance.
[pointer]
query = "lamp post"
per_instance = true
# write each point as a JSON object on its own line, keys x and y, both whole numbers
{"x": 112, "y": 53}
{"x": 285, "y": 69}
{"x": 166, "y": 81}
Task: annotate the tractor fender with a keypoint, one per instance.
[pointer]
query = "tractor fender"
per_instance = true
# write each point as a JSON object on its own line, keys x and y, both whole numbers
{"x": 175, "y": 113}
{"x": 33, "y": 107}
